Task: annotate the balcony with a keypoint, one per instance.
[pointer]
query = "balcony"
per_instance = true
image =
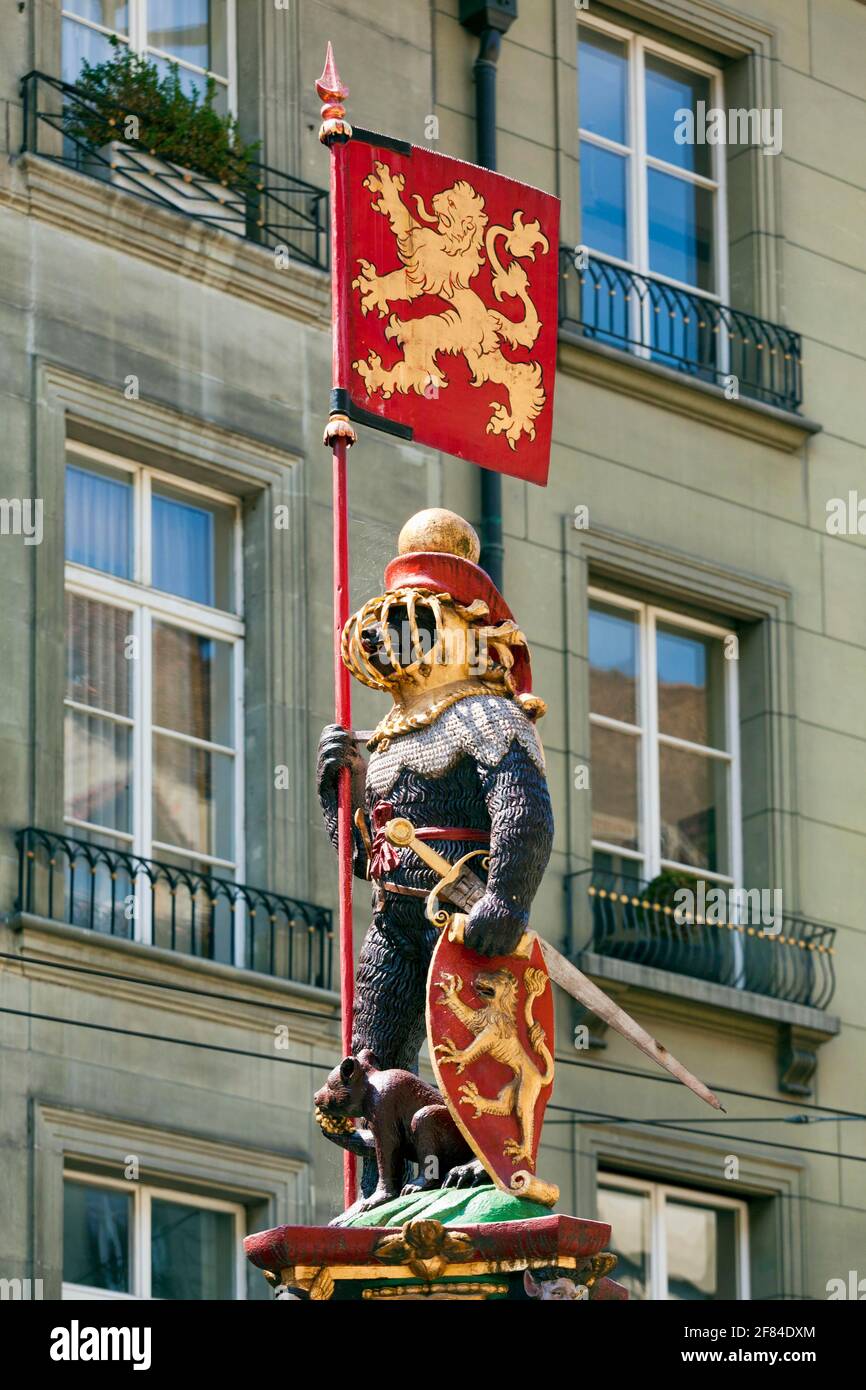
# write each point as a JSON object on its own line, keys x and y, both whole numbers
{"x": 623, "y": 919}
{"x": 684, "y": 330}
{"x": 118, "y": 894}
{"x": 269, "y": 207}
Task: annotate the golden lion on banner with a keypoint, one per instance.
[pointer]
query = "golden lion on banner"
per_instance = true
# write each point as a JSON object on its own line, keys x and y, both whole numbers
{"x": 441, "y": 254}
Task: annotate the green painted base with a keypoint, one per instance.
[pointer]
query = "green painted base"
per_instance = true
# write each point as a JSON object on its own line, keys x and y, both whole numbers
{"x": 452, "y": 1205}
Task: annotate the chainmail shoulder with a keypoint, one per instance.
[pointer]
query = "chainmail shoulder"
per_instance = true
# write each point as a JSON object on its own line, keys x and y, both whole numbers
{"x": 482, "y": 727}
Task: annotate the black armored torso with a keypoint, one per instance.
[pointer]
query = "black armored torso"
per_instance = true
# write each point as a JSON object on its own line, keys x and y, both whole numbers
{"x": 478, "y": 768}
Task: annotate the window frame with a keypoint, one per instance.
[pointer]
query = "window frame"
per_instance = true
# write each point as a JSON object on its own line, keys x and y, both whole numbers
{"x": 147, "y": 605}
{"x": 140, "y": 1234}
{"x": 658, "y": 1193}
{"x": 136, "y": 38}
{"x": 639, "y": 161}
{"x": 649, "y": 788}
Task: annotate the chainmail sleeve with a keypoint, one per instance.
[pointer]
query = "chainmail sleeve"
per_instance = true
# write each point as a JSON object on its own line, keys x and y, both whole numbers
{"x": 521, "y": 827}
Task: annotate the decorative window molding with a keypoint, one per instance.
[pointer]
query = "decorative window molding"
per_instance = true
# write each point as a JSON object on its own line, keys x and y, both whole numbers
{"x": 273, "y": 1187}
{"x": 773, "y": 1184}
{"x": 263, "y": 478}
{"x": 763, "y": 610}
{"x": 751, "y": 80}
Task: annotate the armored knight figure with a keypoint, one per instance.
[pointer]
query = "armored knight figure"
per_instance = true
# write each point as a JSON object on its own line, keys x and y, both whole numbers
{"x": 458, "y": 755}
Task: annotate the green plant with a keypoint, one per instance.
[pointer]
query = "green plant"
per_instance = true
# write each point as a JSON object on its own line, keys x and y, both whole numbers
{"x": 177, "y": 126}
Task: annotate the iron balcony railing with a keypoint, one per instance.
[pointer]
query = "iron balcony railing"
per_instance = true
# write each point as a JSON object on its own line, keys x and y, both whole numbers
{"x": 621, "y": 917}
{"x": 264, "y": 204}
{"x": 113, "y": 892}
{"x": 679, "y": 328}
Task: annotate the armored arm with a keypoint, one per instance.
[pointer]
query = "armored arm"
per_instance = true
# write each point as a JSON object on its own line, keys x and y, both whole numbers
{"x": 521, "y": 837}
{"x": 338, "y": 748}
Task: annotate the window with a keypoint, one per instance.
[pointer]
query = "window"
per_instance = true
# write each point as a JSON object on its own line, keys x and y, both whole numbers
{"x": 197, "y": 35}
{"x": 674, "y": 1243}
{"x": 127, "y": 1240}
{"x": 648, "y": 202}
{"x": 664, "y": 742}
{"x": 154, "y": 673}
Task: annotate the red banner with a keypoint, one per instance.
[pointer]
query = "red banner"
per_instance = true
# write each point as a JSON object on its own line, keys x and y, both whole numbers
{"x": 451, "y": 284}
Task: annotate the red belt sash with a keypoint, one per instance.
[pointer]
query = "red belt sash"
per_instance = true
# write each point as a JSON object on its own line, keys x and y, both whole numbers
{"x": 384, "y": 856}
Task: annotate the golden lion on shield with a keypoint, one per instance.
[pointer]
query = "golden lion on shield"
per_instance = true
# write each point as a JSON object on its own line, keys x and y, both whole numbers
{"x": 441, "y": 254}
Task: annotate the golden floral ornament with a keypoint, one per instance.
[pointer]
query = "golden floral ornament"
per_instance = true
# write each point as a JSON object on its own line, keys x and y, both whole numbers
{"x": 427, "y": 1247}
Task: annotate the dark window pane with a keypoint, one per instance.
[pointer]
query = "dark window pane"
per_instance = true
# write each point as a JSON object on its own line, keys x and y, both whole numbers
{"x": 701, "y": 1246}
{"x": 680, "y": 230}
{"x": 112, "y": 14}
{"x": 97, "y": 670}
{"x": 628, "y": 1214}
{"x": 613, "y": 662}
{"x": 192, "y": 1252}
{"x": 192, "y": 549}
{"x": 96, "y": 1223}
{"x": 694, "y": 809}
{"x": 192, "y": 797}
{"x": 80, "y": 42}
{"x": 604, "y": 200}
{"x": 603, "y": 85}
{"x": 691, "y": 686}
{"x": 98, "y": 770}
{"x": 182, "y": 28}
{"x": 192, "y": 683}
{"x": 614, "y": 782}
{"x": 669, "y": 89}
{"x": 99, "y": 521}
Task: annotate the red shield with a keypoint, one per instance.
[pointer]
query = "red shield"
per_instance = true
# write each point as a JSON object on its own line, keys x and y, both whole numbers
{"x": 451, "y": 283}
{"x": 491, "y": 1039}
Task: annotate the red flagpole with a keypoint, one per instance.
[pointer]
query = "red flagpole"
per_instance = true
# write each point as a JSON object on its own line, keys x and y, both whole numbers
{"x": 339, "y": 437}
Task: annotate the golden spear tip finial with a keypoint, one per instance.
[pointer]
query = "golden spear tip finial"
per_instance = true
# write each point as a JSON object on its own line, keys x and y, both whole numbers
{"x": 330, "y": 84}
{"x": 332, "y": 92}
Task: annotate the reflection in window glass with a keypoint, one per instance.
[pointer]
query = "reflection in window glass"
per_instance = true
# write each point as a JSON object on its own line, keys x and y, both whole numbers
{"x": 192, "y": 1252}
{"x": 604, "y": 200}
{"x": 701, "y": 1245}
{"x": 111, "y": 14}
{"x": 602, "y": 85}
{"x": 99, "y": 521}
{"x": 180, "y": 28}
{"x": 613, "y": 662}
{"x": 80, "y": 42}
{"x": 191, "y": 548}
{"x": 690, "y": 686}
{"x": 628, "y": 1214}
{"x": 680, "y": 230}
{"x": 669, "y": 89}
{"x": 97, "y": 671}
{"x": 96, "y": 1244}
{"x": 192, "y": 684}
{"x": 97, "y": 756}
{"x": 694, "y": 809}
{"x": 615, "y": 783}
{"x": 193, "y": 797}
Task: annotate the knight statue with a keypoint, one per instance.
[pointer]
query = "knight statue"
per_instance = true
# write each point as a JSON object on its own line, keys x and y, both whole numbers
{"x": 458, "y": 755}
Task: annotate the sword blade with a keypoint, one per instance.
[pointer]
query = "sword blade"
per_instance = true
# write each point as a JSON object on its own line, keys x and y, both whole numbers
{"x": 466, "y": 891}
{"x": 575, "y": 983}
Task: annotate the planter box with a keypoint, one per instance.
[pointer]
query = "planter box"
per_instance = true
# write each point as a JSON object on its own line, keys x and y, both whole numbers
{"x": 136, "y": 171}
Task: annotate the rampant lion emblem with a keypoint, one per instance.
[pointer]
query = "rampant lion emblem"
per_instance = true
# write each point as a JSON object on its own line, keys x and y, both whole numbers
{"x": 495, "y": 1034}
{"x": 441, "y": 253}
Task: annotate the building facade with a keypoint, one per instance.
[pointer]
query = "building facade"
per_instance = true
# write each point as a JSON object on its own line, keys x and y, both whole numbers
{"x": 691, "y": 583}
